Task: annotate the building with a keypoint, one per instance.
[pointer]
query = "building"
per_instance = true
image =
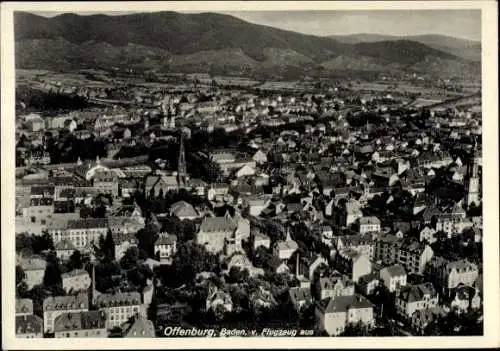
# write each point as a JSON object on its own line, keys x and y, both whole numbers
{"x": 214, "y": 231}
{"x": 450, "y": 274}
{"x": 76, "y": 280}
{"x": 24, "y": 307}
{"x": 369, "y": 224}
{"x": 123, "y": 242}
{"x": 284, "y": 249}
{"x": 64, "y": 249}
{"x": 165, "y": 248}
{"x": 465, "y": 298}
{"x": 218, "y": 298}
{"x": 331, "y": 287}
{"x": 414, "y": 257}
{"x": 387, "y": 249}
{"x": 353, "y": 264}
{"x": 412, "y": 298}
{"x": 81, "y": 232}
{"x": 422, "y": 318}
{"x": 55, "y": 306}
{"x": 29, "y": 326}
{"x": 260, "y": 239}
{"x": 362, "y": 244}
{"x": 34, "y": 270}
{"x": 138, "y": 327}
{"x": 393, "y": 277}
{"x": 428, "y": 235}
{"x": 472, "y": 182}
{"x": 300, "y": 297}
{"x": 84, "y": 324}
{"x": 106, "y": 182}
{"x": 119, "y": 307}
{"x": 183, "y": 210}
{"x": 333, "y": 315}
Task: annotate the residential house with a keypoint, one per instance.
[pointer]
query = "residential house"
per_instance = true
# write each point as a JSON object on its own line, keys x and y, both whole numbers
{"x": 368, "y": 283}
{"x": 450, "y": 274}
{"x": 284, "y": 249}
{"x": 428, "y": 235}
{"x": 260, "y": 239}
{"x": 300, "y": 297}
{"x": 183, "y": 210}
{"x": 393, "y": 277}
{"x": 331, "y": 287}
{"x": 353, "y": 264}
{"x": 138, "y": 327}
{"x": 414, "y": 257}
{"x": 261, "y": 298}
{"x": 119, "y": 307}
{"x": 76, "y": 280}
{"x": 123, "y": 242}
{"x": 81, "y": 232}
{"x": 465, "y": 298}
{"x": 369, "y": 224}
{"x": 83, "y": 324}
{"x": 335, "y": 314}
{"x": 64, "y": 249}
{"x": 24, "y": 307}
{"x": 55, "y": 306}
{"x": 422, "y": 318}
{"x": 387, "y": 248}
{"x": 29, "y": 326}
{"x": 165, "y": 248}
{"x": 412, "y": 298}
{"x": 34, "y": 270}
{"x": 218, "y": 298}
{"x": 363, "y": 244}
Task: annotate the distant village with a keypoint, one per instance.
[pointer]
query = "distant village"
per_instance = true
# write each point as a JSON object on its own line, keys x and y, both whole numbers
{"x": 343, "y": 213}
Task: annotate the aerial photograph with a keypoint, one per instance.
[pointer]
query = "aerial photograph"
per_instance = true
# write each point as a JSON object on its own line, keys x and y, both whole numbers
{"x": 248, "y": 174}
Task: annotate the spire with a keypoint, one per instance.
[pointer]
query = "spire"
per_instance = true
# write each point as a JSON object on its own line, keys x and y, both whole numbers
{"x": 181, "y": 172}
{"x": 288, "y": 237}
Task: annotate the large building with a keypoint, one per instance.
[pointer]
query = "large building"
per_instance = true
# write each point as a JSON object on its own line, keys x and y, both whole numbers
{"x": 87, "y": 324}
{"x": 54, "y": 306}
{"x": 119, "y": 307}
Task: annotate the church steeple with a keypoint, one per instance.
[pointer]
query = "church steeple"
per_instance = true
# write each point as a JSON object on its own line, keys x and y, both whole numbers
{"x": 181, "y": 171}
{"x": 472, "y": 184}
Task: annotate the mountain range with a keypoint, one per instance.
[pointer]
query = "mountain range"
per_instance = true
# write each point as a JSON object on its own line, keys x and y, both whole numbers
{"x": 211, "y": 42}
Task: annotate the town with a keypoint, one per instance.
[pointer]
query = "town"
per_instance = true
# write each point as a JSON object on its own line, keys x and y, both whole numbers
{"x": 341, "y": 206}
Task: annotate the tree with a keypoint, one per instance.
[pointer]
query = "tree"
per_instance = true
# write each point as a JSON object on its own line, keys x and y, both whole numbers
{"x": 102, "y": 243}
{"x": 130, "y": 258}
{"x": 52, "y": 276}
{"x": 109, "y": 245}
{"x": 76, "y": 260}
{"x": 357, "y": 329}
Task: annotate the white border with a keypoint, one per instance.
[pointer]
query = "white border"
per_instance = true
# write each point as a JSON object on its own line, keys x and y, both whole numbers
{"x": 491, "y": 337}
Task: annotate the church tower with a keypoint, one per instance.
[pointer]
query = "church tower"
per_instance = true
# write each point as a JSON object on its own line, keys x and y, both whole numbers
{"x": 181, "y": 171}
{"x": 472, "y": 183}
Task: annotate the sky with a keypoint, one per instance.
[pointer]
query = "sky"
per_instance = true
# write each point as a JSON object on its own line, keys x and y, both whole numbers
{"x": 464, "y": 24}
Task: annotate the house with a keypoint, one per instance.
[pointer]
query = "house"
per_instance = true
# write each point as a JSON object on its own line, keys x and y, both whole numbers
{"x": 29, "y": 326}
{"x": 414, "y": 257}
{"x": 218, "y": 298}
{"x": 24, "y": 307}
{"x": 317, "y": 262}
{"x": 422, "y": 318}
{"x": 393, "y": 277}
{"x": 165, "y": 248}
{"x": 55, "y": 306}
{"x": 387, "y": 248}
{"x": 64, "y": 249}
{"x": 465, "y": 298}
{"x": 119, "y": 307}
{"x": 261, "y": 298}
{"x": 76, "y": 280}
{"x": 284, "y": 249}
{"x": 81, "y": 232}
{"x": 214, "y": 231}
{"x": 363, "y": 244}
{"x": 333, "y": 315}
{"x": 428, "y": 235}
{"x": 412, "y": 298}
{"x": 183, "y": 210}
{"x": 260, "y": 157}
{"x": 369, "y": 224}
{"x": 353, "y": 264}
{"x": 260, "y": 239}
{"x": 83, "y": 324}
{"x": 34, "y": 270}
{"x": 106, "y": 182}
{"x": 368, "y": 283}
{"x": 300, "y": 297}
{"x": 331, "y": 287}
{"x": 123, "y": 242}
{"x": 450, "y": 274}
{"x": 241, "y": 261}
{"x": 138, "y": 327}
{"x": 277, "y": 266}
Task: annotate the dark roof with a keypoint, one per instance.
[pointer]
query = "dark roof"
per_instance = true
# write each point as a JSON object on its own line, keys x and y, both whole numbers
{"x": 28, "y": 324}
{"x": 80, "y": 321}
